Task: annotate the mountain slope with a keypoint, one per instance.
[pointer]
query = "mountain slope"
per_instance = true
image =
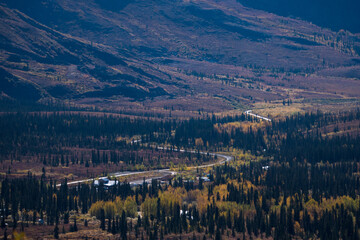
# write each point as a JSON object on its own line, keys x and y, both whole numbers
{"x": 178, "y": 55}
{"x": 333, "y": 14}
{"x": 34, "y": 50}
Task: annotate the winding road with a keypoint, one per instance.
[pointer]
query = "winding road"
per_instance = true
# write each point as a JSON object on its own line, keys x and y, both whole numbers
{"x": 166, "y": 172}
{"x": 249, "y": 112}
{"x": 163, "y": 172}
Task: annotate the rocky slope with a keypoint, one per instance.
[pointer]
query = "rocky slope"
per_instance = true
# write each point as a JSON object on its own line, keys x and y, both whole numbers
{"x": 180, "y": 55}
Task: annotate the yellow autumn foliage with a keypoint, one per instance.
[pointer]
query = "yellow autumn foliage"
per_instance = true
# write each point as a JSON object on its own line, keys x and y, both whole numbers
{"x": 114, "y": 208}
{"x": 130, "y": 207}
{"x": 96, "y": 208}
{"x": 19, "y": 236}
{"x": 148, "y": 207}
{"x": 110, "y": 209}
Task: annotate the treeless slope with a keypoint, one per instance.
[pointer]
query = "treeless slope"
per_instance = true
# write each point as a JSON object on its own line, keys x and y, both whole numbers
{"x": 162, "y": 55}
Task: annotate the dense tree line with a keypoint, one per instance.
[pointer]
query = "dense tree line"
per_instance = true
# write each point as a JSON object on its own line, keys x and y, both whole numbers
{"x": 49, "y": 137}
{"x": 40, "y": 133}
{"x": 307, "y": 184}
{"x": 278, "y": 202}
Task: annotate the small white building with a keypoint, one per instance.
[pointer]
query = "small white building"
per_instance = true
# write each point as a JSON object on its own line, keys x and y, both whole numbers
{"x": 204, "y": 179}
{"x": 107, "y": 183}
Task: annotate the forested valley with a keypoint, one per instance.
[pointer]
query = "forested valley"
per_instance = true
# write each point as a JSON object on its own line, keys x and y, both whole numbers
{"x": 297, "y": 177}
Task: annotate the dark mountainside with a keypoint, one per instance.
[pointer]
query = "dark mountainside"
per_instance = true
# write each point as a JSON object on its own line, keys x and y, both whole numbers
{"x": 333, "y": 14}
{"x": 180, "y": 55}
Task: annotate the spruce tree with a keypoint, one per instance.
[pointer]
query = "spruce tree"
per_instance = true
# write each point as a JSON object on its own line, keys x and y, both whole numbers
{"x": 56, "y": 232}
{"x": 75, "y": 225}
{"x": 102, "y": 219}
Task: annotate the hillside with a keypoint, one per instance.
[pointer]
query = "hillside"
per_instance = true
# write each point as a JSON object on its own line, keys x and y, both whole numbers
{"x": 180, "y": 56}
{"x": 333, "y": 14}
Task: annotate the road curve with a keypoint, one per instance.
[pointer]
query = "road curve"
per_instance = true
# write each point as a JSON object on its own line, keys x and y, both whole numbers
{"x": 225, "y": 158}
{"x": 249, "y": 112}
